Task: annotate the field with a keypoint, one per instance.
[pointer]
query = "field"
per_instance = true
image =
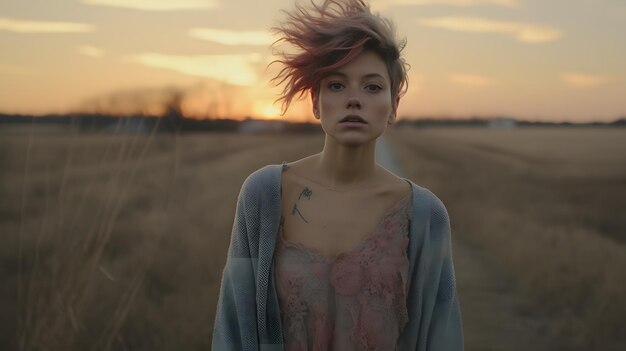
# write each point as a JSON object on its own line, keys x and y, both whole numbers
{"x": 542, "y": 210}
{"x": 117, "y": 241}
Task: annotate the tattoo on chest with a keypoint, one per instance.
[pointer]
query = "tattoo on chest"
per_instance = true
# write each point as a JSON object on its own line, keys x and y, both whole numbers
{"x": 306, "y": 193}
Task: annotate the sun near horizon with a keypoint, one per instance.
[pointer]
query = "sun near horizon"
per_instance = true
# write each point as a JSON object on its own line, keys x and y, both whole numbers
{"x": 534, "y": 60}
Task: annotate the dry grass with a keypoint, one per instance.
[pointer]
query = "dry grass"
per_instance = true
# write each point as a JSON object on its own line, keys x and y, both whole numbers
{"x": 116, "y": 241}
{"x": 543, "y": 205}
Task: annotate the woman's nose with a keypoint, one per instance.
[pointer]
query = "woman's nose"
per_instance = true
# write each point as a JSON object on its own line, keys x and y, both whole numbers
{"x": 353, "y": 103}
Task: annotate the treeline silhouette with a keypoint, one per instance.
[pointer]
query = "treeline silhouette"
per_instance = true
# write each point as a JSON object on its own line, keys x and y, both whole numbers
{"x": 166, "y": 124}
{"x": 175, "y": 122}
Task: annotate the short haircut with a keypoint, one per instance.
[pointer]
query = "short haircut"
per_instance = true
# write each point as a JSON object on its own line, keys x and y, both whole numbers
{"x": 328, "y": 36}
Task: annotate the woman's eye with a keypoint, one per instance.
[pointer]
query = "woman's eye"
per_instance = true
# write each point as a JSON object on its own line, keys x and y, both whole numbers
{"x": 335, "y": 86}
{"x": 373, "y": 88}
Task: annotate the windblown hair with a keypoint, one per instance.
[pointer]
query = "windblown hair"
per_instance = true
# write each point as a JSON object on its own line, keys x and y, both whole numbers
{"x": 328, "y": 36}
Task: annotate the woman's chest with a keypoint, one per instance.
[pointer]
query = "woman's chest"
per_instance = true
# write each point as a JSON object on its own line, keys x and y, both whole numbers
{"x": 333, "y": 223}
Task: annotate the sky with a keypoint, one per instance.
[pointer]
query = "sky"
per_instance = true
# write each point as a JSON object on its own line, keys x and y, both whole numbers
{"x": 541, "y": 60}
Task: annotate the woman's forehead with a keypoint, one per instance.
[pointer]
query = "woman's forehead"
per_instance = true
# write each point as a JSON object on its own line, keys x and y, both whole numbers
{"x": 365, "y": 65}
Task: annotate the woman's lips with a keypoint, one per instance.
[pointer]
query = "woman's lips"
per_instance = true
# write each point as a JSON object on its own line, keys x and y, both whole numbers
{"x": 353, "y": 124}
{"x": 353, "y": 119}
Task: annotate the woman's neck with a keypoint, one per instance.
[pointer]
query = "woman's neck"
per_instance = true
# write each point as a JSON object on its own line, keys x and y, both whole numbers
{"x": 340, "y": 167}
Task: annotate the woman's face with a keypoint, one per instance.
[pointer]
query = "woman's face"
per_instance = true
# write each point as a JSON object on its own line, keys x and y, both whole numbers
{"x": 361, "y": 88}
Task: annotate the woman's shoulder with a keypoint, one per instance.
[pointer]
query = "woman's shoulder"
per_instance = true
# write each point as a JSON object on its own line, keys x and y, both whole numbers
{"x": 263, "y": 176}
{"x": 426, "y": 200}
{"x": 420, "y": 192}
{"x": 261, "y": 183}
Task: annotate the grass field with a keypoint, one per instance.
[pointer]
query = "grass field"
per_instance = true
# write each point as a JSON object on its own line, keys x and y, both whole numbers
{"x": 544, "y": 206}
{"x": 118, "y": 241}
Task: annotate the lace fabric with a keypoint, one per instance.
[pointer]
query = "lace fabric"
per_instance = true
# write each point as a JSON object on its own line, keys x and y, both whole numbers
{"x": 354, "y": 301}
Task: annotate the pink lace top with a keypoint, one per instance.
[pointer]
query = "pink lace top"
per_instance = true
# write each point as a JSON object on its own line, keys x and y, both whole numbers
{"x": 356, "y": 301}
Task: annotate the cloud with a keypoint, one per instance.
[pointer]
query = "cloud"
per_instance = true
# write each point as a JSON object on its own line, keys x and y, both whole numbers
{"x": 232, "y": 69}
{"x": 472, "y": 80}
{"x": 90, "y": 51}
{"x": 507, "y": 3}
{"x": 581, "y": 80}
{"x": 383, "y": 5}
{"x": 156, "y": 5}
{"x": 23, "y": 26}
{"x": 233, "y": 37}
{"x": 525, "y": 32}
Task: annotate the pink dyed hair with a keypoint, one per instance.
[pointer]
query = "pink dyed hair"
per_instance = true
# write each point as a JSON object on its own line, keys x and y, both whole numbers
{"x": 328, "y": 36}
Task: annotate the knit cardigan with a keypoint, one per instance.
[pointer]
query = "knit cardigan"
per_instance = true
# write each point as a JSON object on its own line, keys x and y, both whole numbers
{"x": 248, "y": 314}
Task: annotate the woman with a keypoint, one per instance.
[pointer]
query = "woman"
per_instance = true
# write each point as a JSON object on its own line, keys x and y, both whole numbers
{"x": 334, "y": 252}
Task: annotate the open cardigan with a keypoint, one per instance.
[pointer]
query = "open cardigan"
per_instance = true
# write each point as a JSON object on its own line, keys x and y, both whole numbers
{"x": 248, "y": 314}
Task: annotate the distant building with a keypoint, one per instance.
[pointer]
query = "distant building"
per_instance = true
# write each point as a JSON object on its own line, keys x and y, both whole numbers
{"x": 253, "y": 126}
{"x": 502, "y": 123}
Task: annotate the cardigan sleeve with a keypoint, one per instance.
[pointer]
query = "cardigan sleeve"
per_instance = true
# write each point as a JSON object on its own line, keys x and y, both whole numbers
{"x": 445, "y": 330}
{"x": 235, "y": 326}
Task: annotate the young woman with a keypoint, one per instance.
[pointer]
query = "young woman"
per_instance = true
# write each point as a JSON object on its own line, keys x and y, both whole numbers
{"x": 334, "y": 252}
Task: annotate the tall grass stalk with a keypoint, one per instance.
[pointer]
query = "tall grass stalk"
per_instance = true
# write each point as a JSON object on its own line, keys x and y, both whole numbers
{"x": 51, "y": 297}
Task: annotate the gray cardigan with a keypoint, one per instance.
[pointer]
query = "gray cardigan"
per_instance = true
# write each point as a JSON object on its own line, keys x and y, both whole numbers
{"x": 248, "y": 315}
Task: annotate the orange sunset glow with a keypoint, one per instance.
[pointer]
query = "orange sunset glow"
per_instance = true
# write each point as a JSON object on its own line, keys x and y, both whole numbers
{"x": 558, "y": 60}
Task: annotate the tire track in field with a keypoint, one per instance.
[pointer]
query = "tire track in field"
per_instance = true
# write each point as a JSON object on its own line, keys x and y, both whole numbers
{"x": 495, "y": 317}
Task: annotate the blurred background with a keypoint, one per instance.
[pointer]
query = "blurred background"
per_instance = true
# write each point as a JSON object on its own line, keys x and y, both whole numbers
{"x": 128, "y": 127}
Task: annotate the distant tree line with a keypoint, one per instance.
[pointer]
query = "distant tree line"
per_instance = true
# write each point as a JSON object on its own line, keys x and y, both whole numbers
{"x": 486, "y": 122}
{"x": 168, "y": 123}
{"x": 174, "y": 122}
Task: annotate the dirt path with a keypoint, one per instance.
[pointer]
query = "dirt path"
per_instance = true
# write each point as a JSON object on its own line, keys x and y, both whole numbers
{"x": 495, "y": 317}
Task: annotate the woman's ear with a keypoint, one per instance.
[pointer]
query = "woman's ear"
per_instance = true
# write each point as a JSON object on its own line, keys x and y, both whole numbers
{"x": 314, "y": 101}
{"x": 394, "y": 110}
